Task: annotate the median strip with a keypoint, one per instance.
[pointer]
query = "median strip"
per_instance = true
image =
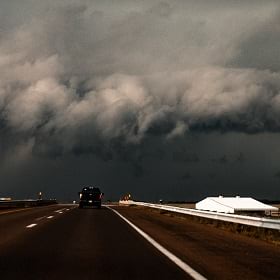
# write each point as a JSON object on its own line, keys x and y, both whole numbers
{"x": 14, "y": 211}
{"x": 185, "y": 267}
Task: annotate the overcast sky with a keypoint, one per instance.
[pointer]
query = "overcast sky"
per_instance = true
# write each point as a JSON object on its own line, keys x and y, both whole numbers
{"x": 173, "y": 100}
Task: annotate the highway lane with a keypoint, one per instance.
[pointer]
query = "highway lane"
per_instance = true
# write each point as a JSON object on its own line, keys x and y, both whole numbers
{"x": 13, "y": 222}
{"x": 77, "y": 244}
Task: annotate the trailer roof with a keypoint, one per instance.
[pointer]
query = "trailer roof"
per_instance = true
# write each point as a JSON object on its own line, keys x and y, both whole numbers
{"x": 233, "y": 204}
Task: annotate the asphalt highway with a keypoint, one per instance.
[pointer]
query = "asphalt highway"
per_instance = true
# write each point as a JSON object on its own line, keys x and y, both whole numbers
{"x": 64, "y": 242}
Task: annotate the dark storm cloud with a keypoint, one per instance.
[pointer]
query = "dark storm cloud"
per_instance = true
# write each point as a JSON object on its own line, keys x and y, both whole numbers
{"x": 107, "y": 78}
{"x": 260, "y": 49}
{"x": 81, "y": 74}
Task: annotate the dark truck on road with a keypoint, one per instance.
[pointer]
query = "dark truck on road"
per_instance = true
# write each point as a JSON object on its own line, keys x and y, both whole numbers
{"x": 90, "y": 196}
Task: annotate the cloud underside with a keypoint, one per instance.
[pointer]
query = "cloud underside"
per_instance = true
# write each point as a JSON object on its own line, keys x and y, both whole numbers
{"x": 80, "y": 75}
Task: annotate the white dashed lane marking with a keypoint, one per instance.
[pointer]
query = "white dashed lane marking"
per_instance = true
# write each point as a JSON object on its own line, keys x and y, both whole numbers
{"x": 31, "y": 225}
{"x": 38, "y": 219}
{"x": 59, "y": 211}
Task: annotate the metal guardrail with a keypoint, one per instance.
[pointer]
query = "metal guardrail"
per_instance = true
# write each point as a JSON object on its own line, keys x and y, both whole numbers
{"x": 26, "y": 203}
{"x": 232, "y": 218}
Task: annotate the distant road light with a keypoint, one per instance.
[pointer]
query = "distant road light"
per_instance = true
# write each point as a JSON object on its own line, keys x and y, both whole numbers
{"x": 40, "y": 195}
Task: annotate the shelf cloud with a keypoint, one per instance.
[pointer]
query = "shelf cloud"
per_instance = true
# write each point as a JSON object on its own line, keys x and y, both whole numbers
{"x": 91, "y": 76}
{"x": 80, "y": 71}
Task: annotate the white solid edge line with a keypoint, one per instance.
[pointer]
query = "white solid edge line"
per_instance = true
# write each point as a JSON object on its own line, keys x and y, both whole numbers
{"x": 194, "y": 274}
{"x": 31, "y": 225}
